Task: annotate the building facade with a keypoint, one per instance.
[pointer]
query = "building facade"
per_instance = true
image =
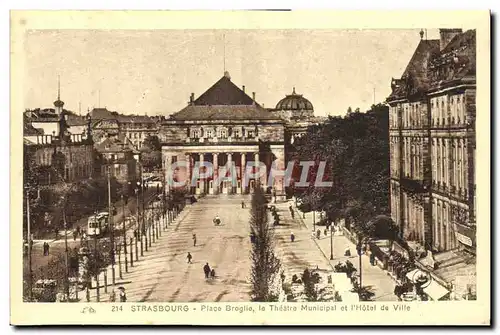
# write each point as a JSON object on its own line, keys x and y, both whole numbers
{"x": 59, "y": 144}
{"x": 135, "y": 127}
{"x": 117, "y": 159}
{"x": 432, "y": 153}
{"x": 224, "y": 127}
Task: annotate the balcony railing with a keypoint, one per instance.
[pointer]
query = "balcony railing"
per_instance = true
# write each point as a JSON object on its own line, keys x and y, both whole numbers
{"x": 414, "y": 185}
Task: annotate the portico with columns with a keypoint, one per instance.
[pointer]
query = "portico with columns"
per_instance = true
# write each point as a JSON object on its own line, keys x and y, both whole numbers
{"x": 227, "y": 169}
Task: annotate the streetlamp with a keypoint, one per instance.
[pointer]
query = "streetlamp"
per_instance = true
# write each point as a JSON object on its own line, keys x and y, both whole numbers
{"x": 66, "y": 283}
{"x": 124, "y": 235}
{"x": 112, "y": 228}
{"x": 314, "y": 220}
{"x": 137, "y": 226}
{"x": 331, "y": 241}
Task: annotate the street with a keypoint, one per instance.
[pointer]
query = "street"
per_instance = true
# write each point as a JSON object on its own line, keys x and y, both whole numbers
{"x": 163, "y": 274}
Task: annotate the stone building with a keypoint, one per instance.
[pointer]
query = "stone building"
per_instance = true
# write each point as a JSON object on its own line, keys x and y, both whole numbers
{"x": 135, "y": 127}
{"x": 117, "y": 159}
{"x": 432, "y": 152}
{"x": 225, "y": 127}
{"x": 67, "y": 158}
{"x": 59, "y": 143}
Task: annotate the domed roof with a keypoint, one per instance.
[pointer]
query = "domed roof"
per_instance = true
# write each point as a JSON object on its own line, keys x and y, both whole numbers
{"x": 294, "y": 101}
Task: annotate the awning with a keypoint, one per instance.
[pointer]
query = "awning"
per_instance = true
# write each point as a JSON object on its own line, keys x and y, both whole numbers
{"x": 435, "y": 291}
{"x": 411, "y": 274}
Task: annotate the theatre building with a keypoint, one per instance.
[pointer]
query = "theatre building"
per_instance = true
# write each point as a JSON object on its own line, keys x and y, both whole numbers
{"x": 225, "y": 127}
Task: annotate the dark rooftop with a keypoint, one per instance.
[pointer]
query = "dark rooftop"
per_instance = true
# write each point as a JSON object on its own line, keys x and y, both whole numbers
{"x": 223, "y": 112}
{"x": 223, "y": 92}
{"x": 415, "y": 77}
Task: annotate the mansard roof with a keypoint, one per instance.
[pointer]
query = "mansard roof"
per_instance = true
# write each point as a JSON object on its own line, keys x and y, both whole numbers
{"x": 223, "y": 112}
{"x": 415, "y": 77}
{"x": 456, "y": 61}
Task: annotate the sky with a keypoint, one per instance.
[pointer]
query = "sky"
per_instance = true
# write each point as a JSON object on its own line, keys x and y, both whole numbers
{"x": 154, "y": 72}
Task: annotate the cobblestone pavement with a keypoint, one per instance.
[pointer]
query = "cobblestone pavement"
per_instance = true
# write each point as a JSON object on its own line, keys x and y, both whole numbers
{"x": 163, "y": 274}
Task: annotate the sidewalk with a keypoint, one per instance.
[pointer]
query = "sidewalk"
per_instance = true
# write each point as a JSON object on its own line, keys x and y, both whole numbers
{"x": 139, "y": 276}
{"x": 375, "y": 278}
{"x": 296, "y": 256}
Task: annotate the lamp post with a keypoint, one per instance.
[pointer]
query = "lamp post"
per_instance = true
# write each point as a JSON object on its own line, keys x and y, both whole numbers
{"x": 112, "y": 228}
{"x": 331, "y": 241}
{"x": 137, "y": 227}
{"x": 66, "y": 282}
{"x": 314, "y": 220}
{"x": 124, "y": 235}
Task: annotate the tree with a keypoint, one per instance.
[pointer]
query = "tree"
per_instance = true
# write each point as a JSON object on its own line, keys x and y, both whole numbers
{"x": 152, "y": 143}
{"x": 310, "y": 279}
{"x": 265, "y": 264}
{"x": 151, "y": 152}
{"x": 356, "y": 151}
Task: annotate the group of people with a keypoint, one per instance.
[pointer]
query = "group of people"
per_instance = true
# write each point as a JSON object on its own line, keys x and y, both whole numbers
{"x": 122, "y": 295}
{"x": 209, "y": 273}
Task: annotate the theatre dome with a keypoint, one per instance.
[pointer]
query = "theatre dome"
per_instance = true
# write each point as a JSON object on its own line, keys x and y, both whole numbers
{"x": 294, "y": 102}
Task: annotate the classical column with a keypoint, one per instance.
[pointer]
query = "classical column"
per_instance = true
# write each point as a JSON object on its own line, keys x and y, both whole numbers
{"x": 243, "y": 172}
{"x": 202, "y": 182}
{"x": 188, "y": 172}
{"x": 168, "y": 173}
{"x": 215, "y": 182}
{"x": 229, "y": 165}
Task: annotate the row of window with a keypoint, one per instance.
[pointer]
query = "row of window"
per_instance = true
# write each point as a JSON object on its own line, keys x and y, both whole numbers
{"x": 223, "y": 132}
{"x": 443, "y": 231}
{"x": 412, "y": 157}
{"x": 448, "y": 110}
{"x": 442, "y": 221}
{"x": 445, "y": 111}
{"x": 450, "y": 164}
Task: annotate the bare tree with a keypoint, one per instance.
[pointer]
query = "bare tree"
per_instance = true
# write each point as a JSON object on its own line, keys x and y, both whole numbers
{"x": 265, "y": 264}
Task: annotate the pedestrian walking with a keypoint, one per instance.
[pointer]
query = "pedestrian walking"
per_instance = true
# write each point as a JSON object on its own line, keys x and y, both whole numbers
{"x": 75, "y": 234}
{"x": 112, "y": 296}
{"x": 318, "y": 234}
{"x": 194, "y": 240}
{"x": 123, "y": 295}
{"x": 212, "y": 273}
{"x": 78, "y": 230}
{"x": 56, "y": 233}
{"x": 326, "y": 231}
{"x": 206, "y": 269}
{"x": 292, "y": 237}
{"x": 242, "y": 204}
{"x": 372, "y": 259}
{"x": 189, "y": 258}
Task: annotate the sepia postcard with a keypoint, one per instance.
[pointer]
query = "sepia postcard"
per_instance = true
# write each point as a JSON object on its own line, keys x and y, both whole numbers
{"x": 250, "y": 168}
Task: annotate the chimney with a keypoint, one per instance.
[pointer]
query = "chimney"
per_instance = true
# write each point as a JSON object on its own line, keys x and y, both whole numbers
{"x": 253, "y": 97}
{"x": 191, "y": 99}
{"x": 446, "y": 35}
{"x": 243, "y": 88}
